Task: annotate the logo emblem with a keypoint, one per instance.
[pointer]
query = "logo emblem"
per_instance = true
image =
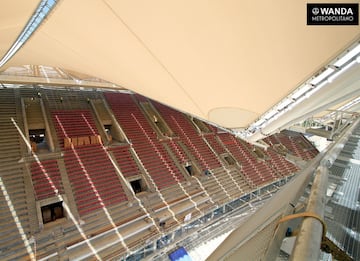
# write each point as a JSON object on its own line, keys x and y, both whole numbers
{"x": 332, "y": 14}
{"x": 315, "y": 11}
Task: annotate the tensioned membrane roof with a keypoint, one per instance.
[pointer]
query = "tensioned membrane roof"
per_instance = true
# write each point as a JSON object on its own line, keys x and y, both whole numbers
{"x": 225, "y": 61}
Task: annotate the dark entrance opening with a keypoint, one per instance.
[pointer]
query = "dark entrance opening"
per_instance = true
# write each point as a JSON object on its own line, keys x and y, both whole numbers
{"x": 189, "y": 169}
{"x": 136, "y": 185}
{"x": 38, "y": 140}
{"x": 229, "y": 160}
{"x": 52, "y": 212}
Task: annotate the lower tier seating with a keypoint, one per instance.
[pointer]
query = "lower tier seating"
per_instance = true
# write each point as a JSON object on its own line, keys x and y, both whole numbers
{"x": 93, "y": 178}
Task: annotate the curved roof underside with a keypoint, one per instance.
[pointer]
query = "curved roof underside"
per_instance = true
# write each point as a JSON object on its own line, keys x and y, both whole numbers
{"x": 224, "y": 61}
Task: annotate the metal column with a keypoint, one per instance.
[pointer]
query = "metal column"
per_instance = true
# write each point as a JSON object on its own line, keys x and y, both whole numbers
{"x": 310, "y": 236}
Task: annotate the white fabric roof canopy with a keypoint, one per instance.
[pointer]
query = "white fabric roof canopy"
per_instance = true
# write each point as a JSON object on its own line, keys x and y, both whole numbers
{"x": 224, "y": 61}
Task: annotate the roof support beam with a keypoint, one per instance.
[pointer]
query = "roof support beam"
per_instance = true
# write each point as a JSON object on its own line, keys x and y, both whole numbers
{"x": 341, "y": 89}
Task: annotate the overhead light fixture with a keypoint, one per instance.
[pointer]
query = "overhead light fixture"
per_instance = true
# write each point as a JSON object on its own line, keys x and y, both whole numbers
{"x": 297, "y": 101}
{"x": 258, "y": 124}
{"x": 270, "y": 114}
{"x": 316, "y": 89}
{"x": 36, "y": 19}
{"x": 283, "y": 104}
{"x": 301, "y": 91}
{"x": 261, "y": 121}
{"x": 322, "y": 76}
{"x": 332, "y": 77}
{"x": 348, "y": 56}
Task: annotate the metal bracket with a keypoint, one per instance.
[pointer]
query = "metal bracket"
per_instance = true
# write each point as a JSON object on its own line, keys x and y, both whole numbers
{"x": 327, "y": 245}
{"x": 330, "y": 247}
